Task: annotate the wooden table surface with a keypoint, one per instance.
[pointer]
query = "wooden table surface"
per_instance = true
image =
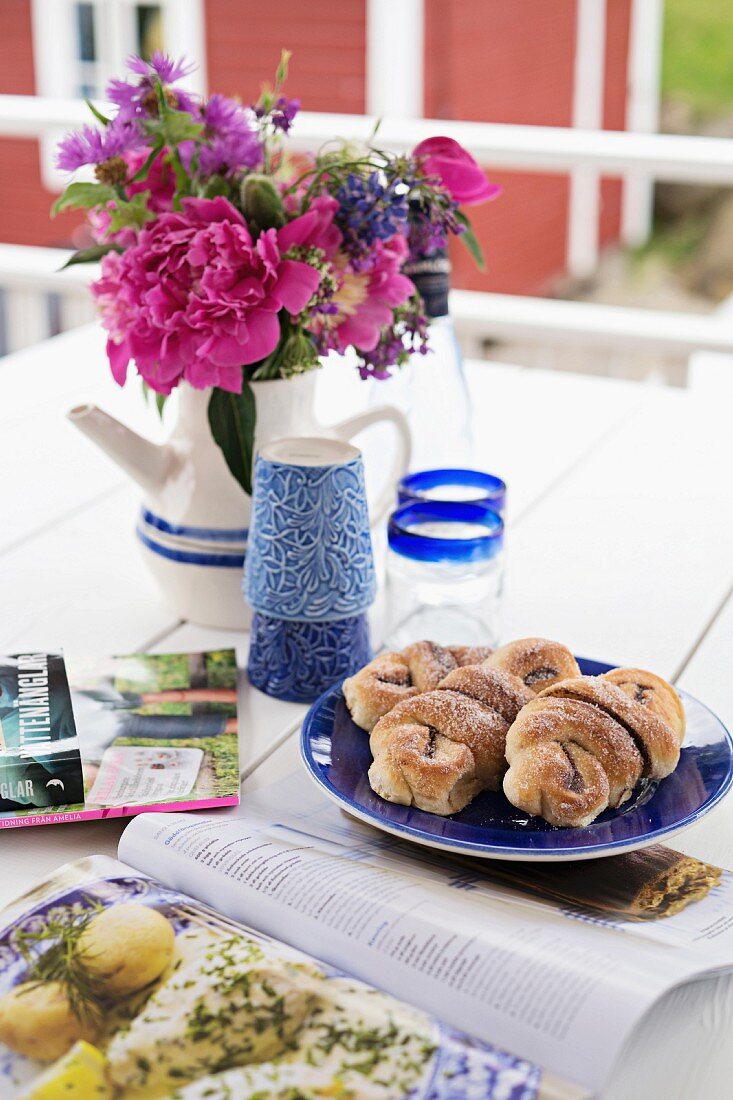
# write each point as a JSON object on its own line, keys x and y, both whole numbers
{"x": 619, "y": 543}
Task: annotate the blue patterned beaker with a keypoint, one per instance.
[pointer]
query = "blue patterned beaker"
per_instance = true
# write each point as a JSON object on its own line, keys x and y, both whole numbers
{"x": 309, "y": 573}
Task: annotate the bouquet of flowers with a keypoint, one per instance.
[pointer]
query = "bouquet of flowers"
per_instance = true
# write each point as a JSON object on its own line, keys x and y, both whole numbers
{"x": 225, "y": 260}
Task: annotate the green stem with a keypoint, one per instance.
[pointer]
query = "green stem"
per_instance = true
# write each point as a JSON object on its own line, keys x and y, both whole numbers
{"x": 324, "y": 170}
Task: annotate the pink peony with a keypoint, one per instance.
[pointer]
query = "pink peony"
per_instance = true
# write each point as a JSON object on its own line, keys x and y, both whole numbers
{"x": 365, "y": 300}
{"x": 316, "y": 229}
{"x": 195, "y": 298}
{"x": 457, "y": 170}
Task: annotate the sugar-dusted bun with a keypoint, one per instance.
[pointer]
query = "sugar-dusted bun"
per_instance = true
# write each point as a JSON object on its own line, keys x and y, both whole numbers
{"x": 652, "y": 692}
{"x": 580, "y": 747}
{"x": 440, "y": 748}
{"x": 553, "y": 750}
{"x": 470, "y": 654}
{"x": 495, "y": 688}
{"x": 654, "y": 738}
{"x": 538, "y": 662}
{"x": 376, "y": 688}
{"x": 393, "y": 677}
{"x": 437, "y": 751}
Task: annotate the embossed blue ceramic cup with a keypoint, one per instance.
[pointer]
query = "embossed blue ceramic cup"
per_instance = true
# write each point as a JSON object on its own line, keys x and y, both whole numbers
{"x": 309, "y": 555}
{"x": 309, "y": 572}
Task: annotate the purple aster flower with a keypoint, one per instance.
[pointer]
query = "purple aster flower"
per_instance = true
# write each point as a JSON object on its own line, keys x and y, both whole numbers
{"x": 162, "y": 66}
{"x": 228, "y": 152}
{"x": 220, "y": 114}
{"x": 140, "y": 99}
{"x": 231, "y": 140}
{"x": 91, "y": 146}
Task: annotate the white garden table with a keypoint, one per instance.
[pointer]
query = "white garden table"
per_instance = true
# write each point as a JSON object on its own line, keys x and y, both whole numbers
{"x": 620, "y": 543}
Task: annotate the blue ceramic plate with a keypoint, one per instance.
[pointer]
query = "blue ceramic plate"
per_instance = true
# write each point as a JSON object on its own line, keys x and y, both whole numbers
{"x": 336, "y": 753}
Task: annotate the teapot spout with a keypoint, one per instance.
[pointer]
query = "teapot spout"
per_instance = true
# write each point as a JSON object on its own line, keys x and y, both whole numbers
{"x": 144, "y": 461}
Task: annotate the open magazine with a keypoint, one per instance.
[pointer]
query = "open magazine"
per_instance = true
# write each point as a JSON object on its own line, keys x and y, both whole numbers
{"x": 112, "y": 737}
{"x": 522, "y": 983}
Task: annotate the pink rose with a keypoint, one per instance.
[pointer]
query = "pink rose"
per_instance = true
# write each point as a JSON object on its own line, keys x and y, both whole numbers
{"x": 457, "y": 170}
{"x": 195, "y": 298}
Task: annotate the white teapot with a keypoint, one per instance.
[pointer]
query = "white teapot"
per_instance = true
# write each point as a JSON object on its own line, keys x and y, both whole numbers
{"x": 194, "y": 519}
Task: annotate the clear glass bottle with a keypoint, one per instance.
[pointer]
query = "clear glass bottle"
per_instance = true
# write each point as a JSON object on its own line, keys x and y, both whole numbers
{"x": 444, "y": 574}
{"x": 431, "y": 389}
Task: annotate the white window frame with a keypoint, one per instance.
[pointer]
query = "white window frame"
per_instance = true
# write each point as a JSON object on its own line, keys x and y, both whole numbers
{"x": 54, "y": 47}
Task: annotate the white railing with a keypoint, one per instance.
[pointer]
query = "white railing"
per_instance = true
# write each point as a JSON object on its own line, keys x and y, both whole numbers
{"x": 28, "y": 278}
{"x": 671, "y": 157}
{"x": 479, "y": 316}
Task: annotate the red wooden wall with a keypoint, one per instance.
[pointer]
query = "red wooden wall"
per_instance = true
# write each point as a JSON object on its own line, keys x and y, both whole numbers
{"x": 485, "y": 60}
{"x": 327, "y": 37}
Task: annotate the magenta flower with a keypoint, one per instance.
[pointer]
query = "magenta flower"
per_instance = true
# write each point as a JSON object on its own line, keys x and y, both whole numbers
{"x": 315, "y": 229}
{"x": 196, "y": 299}
{"x": 366, "y": 299}
{"x": 91, "y": 146}
{"x": 457, "y": 170}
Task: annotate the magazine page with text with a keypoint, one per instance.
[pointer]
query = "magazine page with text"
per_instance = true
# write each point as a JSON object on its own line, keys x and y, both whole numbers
{"x": 116, "y": 987}
{"x": 562, "y": 985}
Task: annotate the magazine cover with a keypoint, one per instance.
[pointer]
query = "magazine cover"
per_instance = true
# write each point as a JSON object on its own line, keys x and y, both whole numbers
{"x": 113, "y": 986}
{"x": 117, "y": 736}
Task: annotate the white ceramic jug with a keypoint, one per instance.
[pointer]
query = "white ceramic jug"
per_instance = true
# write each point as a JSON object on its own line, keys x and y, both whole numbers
{"x": 194, "y": 518}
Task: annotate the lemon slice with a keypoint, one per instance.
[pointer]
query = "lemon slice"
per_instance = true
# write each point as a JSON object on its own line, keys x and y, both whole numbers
{"x": 79, "y": 1075}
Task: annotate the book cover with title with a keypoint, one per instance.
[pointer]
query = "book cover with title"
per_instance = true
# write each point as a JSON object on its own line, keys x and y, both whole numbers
{"x": 116, "y": 737}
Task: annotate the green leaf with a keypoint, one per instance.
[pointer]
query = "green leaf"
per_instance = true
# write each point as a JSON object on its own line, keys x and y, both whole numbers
{"x": 232, "y": 422}
{"x": 97, "y": 113}
{"x": 142, "y": 172}
{"x": 90, "y": 255}
{"x": 174, "y": 127}
{"x": 160, "y": 398}
{"x": 133, "y": 213}
{"x": 83, "y": 196}
{"x": 470, "y": 240}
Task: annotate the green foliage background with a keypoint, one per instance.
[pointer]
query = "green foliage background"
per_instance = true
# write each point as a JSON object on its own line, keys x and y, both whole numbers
{"x": 697, "y": 59}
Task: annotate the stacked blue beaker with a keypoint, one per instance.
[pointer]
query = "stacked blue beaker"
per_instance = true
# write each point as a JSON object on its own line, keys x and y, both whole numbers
{"x": 309, "y": 572}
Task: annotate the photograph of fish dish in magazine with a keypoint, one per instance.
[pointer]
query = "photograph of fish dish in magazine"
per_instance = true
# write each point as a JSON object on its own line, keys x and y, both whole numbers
{"x": 113, "y": 737}
{"x": 114, "y": 986}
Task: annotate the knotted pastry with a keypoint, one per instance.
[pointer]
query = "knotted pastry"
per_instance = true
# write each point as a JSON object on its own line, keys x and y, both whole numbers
{"x": 652, "y": 692}
{"x": 536, "y": 661}
{"x": 438, "y": 749}
{"x": 393, "y": 677}
{"x": 581, "y": 746}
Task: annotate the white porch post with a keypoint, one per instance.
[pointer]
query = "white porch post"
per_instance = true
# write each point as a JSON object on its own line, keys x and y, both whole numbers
{"x": 394, "y": 58}
{"x": 589, "y": 74}
{"x": 642, "y": 112}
